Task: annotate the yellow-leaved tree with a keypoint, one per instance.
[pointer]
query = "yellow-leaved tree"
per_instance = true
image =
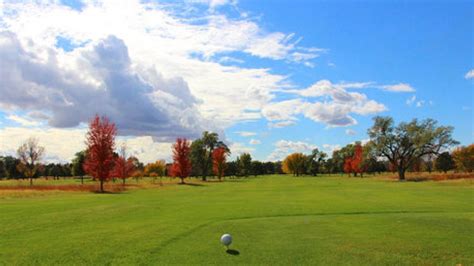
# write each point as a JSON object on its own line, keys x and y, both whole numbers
{"x": 295, "y": 164}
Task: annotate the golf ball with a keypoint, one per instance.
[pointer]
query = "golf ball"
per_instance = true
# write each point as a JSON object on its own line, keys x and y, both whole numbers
{"x": 226, "y": 239}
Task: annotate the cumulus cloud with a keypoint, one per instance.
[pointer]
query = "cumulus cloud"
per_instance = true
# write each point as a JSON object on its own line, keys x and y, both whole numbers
{"x": 164, "y": 55}
{"x": 469, "y": 74}
{"x": 285, "y": 147}
{"x": 334, "y": 108}
{"x": 139, "y": 102}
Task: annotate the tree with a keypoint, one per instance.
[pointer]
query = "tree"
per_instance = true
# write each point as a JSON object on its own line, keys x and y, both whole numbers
{"x": 231, "y": 169}
{"x": 445, "y": 162}
{"x": 181, "y": 162}
{"x": 155, "y": 169}
{"x": 339, "y": 159}
{"x": 258, "y": 168}
{"x": 136, "y": 163}
{"x": 357, "y": 158}
{"x": 464, "y": 158}
{"x": 315, "y": 162}
{"x": 123, "y": 167}
{"x": 30, "y": 155}
{"x": 294, "y": 164}
{"x": 54, "y": 170}
{"x": 3, "y": 172}
{"x": 244, "y": 164}
{"x": 405, "y": 143}
{"x": 198, "y": 158}
{"x": 354, "y": 164}
{"x": 100, "y": 146}
{"x": 201, "y": 154}
{"x": 77, "y": 168}
{"x": 10, "y": 164}
{"x": 219, "y": 162}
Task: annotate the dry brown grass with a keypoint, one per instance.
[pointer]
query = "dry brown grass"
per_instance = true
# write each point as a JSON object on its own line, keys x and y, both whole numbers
{"x": 433, "y": 176}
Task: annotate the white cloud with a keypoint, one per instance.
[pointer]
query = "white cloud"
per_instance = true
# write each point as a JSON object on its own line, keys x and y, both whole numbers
{"x": 238, "y": 148}
{"x": 400, "y": 87}
{"x": 283, "y": 110}
{"x": 286, "y": 147}
{"x": 469, "y": 74}
{"x": 162, "y": 49}
{"x": 418, "y": 103}
{"x": 22, "y": 121}
{"x": 329, "y": 148}
{"x": 334, "y": 110}
{"x": 140, "y": 103}
{"x": 246, "y": 133}
{"x": 350, "y": 132}
{"x": 254, "y": 142}
{"x": 411, "y": 100}
{"x": 281, "y": 124}
{"x": 332, "y": 113}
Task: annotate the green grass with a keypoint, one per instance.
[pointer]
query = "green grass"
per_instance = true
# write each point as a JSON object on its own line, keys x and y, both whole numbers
{"x": 273, "y": 219}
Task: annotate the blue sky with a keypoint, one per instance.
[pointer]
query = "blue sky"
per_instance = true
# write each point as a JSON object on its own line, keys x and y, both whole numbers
{"x": 273, "y": 77}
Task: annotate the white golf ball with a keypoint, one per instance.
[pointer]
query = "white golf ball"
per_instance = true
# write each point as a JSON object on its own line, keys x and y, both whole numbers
{"x": 226, "y": 239}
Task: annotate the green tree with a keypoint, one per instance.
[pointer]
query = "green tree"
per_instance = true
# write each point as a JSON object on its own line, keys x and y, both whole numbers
{"x": 444, "y": 162}
{"x": 257, "y": 168}
{"x": 201, "y": 152}
{"x": 315, "y": 161}
{"x": 77, "y": 168}
{"x": 198, "y": 157}
{"x": 402, "y": 145}
{"x": 244, "y": 164}
{"x": 3, "y": 172}
{"x": 10, "y": 164}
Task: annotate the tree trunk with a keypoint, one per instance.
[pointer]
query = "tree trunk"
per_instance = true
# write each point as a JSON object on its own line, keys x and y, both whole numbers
{"x": 204, "y": 178}
{"x": 123, "y": 181}
{"x": 82, "y": 180}
{"x": 401, "y": 174}
{"x": 31, "y": 181}
{"x": 182, "y": 180}
{"x": 101, "y": 185}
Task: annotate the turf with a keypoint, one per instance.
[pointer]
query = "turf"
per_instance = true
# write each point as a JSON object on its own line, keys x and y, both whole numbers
{"x": 274, "y": 220}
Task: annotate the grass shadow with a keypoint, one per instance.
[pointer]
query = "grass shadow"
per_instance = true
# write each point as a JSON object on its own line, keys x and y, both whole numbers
{"x": 108, "y": 192}
{"x": 192, "y": 184}
{"x": 233, "y": 252}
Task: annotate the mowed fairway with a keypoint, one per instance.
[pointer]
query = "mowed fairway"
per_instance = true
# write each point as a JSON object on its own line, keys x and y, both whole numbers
{"x": 273, "y": 219}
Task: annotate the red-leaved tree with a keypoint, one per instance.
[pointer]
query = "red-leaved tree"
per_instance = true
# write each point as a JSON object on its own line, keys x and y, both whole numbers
{"x": 100, "y": 145}
{"x": 123, "y": 167}
{"x": 219, "y": 161}
{"x": 348, "y": 166}
{"x": 353, "y": 164}
{"x": 356, "y": 161}
{"x": 181, "y": 162}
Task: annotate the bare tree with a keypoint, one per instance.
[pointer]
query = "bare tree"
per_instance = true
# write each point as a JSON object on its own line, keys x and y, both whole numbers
{"x": 30, "y": 155}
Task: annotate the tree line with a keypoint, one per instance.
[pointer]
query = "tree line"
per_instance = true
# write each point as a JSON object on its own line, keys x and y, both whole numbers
{"x": 413, "y": 146}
